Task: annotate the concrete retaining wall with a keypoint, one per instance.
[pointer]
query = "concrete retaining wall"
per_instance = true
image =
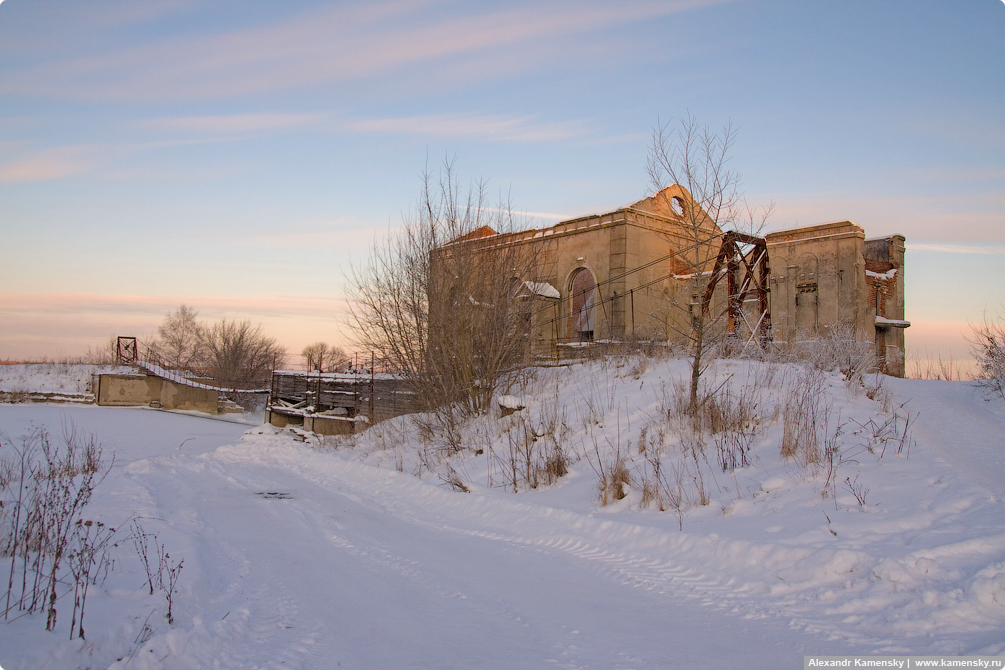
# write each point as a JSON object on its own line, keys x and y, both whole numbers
{"x": 147, "y": 390}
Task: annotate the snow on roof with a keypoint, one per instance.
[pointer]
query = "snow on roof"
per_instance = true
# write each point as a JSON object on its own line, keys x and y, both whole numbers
{"x": 892, "y": 323}
{"x": 542, "y": 288}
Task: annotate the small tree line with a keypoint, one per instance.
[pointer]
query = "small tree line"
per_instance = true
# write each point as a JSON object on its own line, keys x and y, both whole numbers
{"x": 322, "y": 357}
{"x": 235, "y": 353}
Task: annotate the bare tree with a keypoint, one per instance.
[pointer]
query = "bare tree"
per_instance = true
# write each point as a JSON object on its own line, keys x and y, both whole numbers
{"x": 987, "y": 343}
{"x": 707, "y": 200}
{"x": 437, "y": 300}
{"x": 239, "y": 355}
{"x": 180, "y": 344}
{"x": 321, "y": 357}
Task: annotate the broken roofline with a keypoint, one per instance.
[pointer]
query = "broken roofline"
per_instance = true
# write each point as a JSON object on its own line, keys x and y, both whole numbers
{"x": 489, "y": 237}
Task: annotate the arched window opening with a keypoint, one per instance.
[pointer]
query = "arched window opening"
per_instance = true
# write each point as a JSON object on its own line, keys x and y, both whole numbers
{"x": 582, "y": 319}
{"x": 677, "y": 205}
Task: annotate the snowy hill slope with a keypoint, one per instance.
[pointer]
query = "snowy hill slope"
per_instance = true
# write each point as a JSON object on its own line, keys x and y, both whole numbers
{"x": 364, "y": 552}
{"x": 50, "y": 382}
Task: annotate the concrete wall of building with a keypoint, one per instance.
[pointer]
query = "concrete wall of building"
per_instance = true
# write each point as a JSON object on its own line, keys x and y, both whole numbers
{"x": 826, "y": 275}
{"x": 127, "y": 390}
{"x": 151, "y": 391}
{"x": 179, "y": 396}
{"x": 820, "y": 276}
{"x": 331, "y": 425}
{"x": 282, "y": 420}
{"x": 628, "y": 302}
{"x": 817, "y": 280}
{"x": 884, "y": 265}
{"x": 319, "y": 424}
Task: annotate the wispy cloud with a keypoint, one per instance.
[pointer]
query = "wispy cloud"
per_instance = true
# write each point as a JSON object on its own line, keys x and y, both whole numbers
{"x": 988, "y": 250}
{"x": 551, "y": 216}
{"x": 20, "y": 162}
{"x": 236, "y": 123}
{"x": 492, "y": 127}
{"x": 972, "y": 221}
{"x": 209, "y": 306}
{"x": 328, "y": 45}
{"x": 343, "y": 236}
{"x": 129, "y": 12}
{"x": 48, "y": 164}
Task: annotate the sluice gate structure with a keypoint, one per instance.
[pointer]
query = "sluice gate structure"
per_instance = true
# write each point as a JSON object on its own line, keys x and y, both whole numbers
{"x": 337, "y": 403}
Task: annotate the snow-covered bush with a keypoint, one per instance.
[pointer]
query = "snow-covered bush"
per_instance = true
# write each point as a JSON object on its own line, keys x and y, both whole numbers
{"x": 987, "y": 342}
{"x": 677, "y": 472}
{"x": 537, "y": 453}
{"x": 839, "y": 348}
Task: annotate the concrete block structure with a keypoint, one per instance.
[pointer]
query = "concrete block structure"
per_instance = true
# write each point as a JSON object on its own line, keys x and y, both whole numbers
{"x": 831, "y": 274}
{"x": 627, "y": 274}
{"x": 151, "y": 391}
{"x": 153, "y": 386}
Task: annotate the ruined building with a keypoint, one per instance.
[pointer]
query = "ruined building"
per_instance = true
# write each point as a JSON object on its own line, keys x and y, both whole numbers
{"x": 630, "y": 273}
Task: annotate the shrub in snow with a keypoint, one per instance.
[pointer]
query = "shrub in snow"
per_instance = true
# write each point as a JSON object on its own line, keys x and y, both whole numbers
{"x": 987, "y": 342}
{"x": 804, "y": 417}
{"x": 536, "y": 451}
{"x": 46, "y": 486}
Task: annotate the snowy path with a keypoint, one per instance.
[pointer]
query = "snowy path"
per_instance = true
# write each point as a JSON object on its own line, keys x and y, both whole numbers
{"x": 369, "y": 568}
{"x": 950, "y": 415}
{"x": 358, "y": 567}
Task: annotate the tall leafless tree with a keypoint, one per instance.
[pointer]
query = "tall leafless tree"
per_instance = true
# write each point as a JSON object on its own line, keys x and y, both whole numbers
{"x": 240, "y": 355}
{"x": 436, "y": 301}
{"x": 322, "y": 357}
{"x": 696, "y": 158}
{"x": 180, "y": 343}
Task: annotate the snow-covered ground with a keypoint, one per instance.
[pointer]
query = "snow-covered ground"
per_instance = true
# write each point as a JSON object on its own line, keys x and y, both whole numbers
{"x": 364, "y": 553}
{"x": 64, "y": 382}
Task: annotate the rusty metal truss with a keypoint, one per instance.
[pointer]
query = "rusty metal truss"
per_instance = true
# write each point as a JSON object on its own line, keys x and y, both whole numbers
{"x": 126, "y": 350}
{"x": 743, "y": 262}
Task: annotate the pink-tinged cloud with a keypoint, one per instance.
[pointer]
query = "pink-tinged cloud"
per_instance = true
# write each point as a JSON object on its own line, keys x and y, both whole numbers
{"x": 329, "y": 45}
{"x": 47, "y": 165}
{"x": 345, "y": 237}
{"x": 35, "y": 165}
{"x": 68, "y": 324}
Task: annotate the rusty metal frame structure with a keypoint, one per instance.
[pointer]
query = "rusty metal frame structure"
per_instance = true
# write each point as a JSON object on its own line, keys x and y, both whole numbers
{"x": 752, "y": 280}
{"x": 126, "y": 350}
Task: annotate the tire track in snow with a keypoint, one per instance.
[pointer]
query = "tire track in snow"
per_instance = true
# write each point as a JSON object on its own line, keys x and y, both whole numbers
{"x": 246, "y": 605}
{"x": 580, "y": 537}
{"x": 832, "y": 593}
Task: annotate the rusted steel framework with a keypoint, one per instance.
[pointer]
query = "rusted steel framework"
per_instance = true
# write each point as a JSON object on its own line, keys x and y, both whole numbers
{"x": 126, "y": 350}
{"x": 743, "y": 261}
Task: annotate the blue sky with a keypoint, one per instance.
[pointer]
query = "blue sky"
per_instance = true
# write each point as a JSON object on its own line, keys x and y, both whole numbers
{"x": 237, "y": 156}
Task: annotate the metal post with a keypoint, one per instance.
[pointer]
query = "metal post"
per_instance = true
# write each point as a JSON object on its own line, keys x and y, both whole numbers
{"x": 631, "y": 294}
